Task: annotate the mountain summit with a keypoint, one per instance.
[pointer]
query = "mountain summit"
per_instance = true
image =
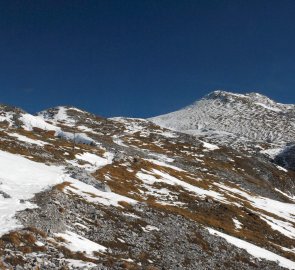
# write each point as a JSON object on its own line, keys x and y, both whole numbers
{"x": 252, "y": 116}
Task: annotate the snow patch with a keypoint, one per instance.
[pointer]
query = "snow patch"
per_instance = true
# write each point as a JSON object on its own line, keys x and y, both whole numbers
{"x": 93, "y": 195}
{"x": 160, "y": 163}
{"x": 77, "y": 243}
{"x": 27, "y": 139}
{"x": 254, "y": 250}
{"x": 79, "y": 264}
{"x": 21, "y": 178}
{"x": 78, "y": 137}
{"x": 170, "y": 180}
{"x": 95, "y": 160}
{"x": 268, "y": 107}
{"x": 30, "y": 122}
{"x": 283, "y": 227}
{"x": 149, "y": 228}
{"x": 210, "y": 146}
{"x": 280, "y": 209}
{"x": 238, "y": 224}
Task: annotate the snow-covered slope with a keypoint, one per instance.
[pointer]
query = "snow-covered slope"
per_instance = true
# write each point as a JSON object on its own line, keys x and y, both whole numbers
{"x": 252, "y": 116}
{"x": 20, "y": 179}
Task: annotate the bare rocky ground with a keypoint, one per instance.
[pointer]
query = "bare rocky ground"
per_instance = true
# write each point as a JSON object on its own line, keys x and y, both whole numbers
{"x": 176, "y": 243}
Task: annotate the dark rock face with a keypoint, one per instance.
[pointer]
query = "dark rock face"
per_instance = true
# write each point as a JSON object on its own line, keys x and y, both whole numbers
{"x": 286, "y": 158}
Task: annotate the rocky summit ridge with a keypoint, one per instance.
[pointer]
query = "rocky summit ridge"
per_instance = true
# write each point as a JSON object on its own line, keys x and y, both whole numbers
{"x": 213, "y": 191}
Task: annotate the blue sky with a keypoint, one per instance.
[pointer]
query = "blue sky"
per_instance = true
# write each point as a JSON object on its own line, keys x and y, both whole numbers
{"x": 142, "y": 58}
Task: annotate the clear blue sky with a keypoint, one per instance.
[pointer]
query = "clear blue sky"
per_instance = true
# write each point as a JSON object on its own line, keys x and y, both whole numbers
{"x": 142, "y": 58}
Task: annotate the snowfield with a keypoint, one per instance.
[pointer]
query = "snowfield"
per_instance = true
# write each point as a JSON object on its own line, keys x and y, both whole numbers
{"x": 20, "y": 179}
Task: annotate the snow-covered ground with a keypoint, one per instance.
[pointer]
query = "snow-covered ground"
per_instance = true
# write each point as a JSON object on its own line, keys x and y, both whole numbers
{"x": 96, "y": 161}
{"x": 156, "y": 176}
{"x": 210, "y": 146}
{"x": 21, "y": 178}
{"x": 75, "y": 243}
{"x": 27, "y": 139}
{"x": 280, "y": 209}
{"x": 31, "y": 121}
{"x": 254, "y": 250}
{"x": 94, "y": 195}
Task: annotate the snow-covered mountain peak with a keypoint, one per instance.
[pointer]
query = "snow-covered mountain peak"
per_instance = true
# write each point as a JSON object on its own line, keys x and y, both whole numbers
{"x": 221, "y": 94}
{"x": 251, "y": 115}
{"x": 252, "y": 97}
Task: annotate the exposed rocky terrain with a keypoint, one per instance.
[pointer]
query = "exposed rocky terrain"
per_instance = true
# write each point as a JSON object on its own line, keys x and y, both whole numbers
{"x": 78, "y": 191}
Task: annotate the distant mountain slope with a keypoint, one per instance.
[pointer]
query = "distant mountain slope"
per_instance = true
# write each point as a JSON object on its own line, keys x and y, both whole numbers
{"x": 252, "y": 116}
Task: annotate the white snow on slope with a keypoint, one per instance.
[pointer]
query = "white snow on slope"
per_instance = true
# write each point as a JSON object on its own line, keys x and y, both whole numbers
{"x": 78, "y": 137}
{"x": 281, "y": 209}
{"x": 95, "y": 160}
{"x": 237, "y": 223}
{"x": 163, "y": 164}
{"x": 6, "y": 116}
{"x": 149, "y": 179}
{"x": 210, "y": 146}
{"x": 77, "y": 243}
{"x": 281, "y": 168}
{"x": 27, "y": 139}
{"x": 149, "y": 228}
{"x": 272, "y": 153}
{"x": 94, "y": 195}
{"x": 268, "y": 107}
{"x": 237, "y": 114}
{"x": 21, "y": 178}
{"x": 283, "y": 227}
{"x": 132, "y": 125}
{"x": 31, "y": 121}
{"x": 74, "y": 264}
{"x": 292, "y": 198}
{"x": 61, "y": 115}
{"x": 254, "y": 250}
